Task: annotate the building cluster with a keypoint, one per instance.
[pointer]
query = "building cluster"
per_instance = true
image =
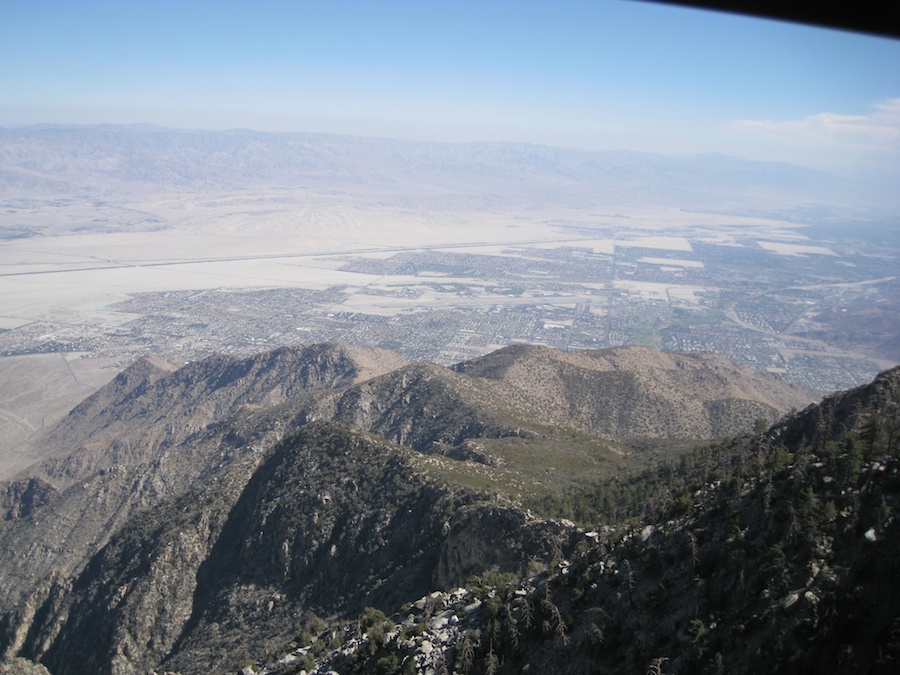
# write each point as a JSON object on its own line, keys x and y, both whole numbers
{"x": 462, "y": 305}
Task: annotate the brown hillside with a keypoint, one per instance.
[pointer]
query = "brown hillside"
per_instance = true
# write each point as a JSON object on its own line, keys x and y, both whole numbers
{"x": 631, "y": 392}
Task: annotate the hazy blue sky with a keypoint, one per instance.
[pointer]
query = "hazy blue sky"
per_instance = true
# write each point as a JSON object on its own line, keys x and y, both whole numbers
{"x": 595, "y": 74}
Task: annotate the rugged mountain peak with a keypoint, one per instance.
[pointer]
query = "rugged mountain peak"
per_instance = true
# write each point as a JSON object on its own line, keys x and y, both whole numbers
{"x": 271, "y": 377}
{"x": 135, "y": 378}
{"x": 151, "y": 366}
{"x": 153, "y": 403}
{"x": 149, "y": 435}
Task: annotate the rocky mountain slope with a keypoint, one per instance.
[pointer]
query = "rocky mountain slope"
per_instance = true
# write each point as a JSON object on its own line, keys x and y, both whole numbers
{"x": 773, "y": 553}
{"x": 150, "y": 405}
{"x": 150, "y": 434}
{"x": 184, "y": 519}
{"x": 634, "y": 392}
{"x": 330, "y": 522}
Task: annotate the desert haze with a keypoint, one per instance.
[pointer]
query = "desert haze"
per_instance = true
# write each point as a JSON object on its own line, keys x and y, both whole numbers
{"x": 122, "y": 241}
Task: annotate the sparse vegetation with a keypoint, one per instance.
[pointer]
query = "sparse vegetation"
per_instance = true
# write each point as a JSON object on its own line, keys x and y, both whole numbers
{"x": 774, "y": 550}
{"x": 737, "y": 583}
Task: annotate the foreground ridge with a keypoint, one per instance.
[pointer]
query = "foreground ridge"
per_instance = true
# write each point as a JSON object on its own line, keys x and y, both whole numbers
{"x": 760, "y": 558}
{"x": 312, "y": 514}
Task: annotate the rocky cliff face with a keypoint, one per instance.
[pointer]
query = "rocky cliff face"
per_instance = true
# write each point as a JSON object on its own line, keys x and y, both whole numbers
{"x": 186, "y": 518}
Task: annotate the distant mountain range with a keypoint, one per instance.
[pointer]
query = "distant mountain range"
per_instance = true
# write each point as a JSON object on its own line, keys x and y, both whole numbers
{"x": 179, "y": 515}
{"x": 105, "y": 159}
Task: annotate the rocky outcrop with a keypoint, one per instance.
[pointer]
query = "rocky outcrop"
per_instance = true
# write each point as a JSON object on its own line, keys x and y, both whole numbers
{"x": 493, "y": 538}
